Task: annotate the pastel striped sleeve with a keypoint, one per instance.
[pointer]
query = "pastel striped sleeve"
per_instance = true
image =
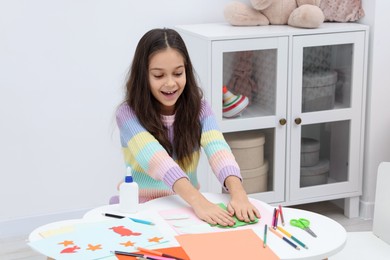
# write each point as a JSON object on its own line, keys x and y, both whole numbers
{"x": 145, "y": 149}
{"x": 217, "y": 150}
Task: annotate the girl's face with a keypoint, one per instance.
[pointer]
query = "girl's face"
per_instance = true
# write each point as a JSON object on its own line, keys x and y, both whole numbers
{"x": 167, "y": 78}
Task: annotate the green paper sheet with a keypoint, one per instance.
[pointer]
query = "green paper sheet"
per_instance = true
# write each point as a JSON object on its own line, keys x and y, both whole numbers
{"x": 238, "y": 223}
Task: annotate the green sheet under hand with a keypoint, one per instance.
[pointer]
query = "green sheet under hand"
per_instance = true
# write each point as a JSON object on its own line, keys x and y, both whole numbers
{"x": 238, "y": 223}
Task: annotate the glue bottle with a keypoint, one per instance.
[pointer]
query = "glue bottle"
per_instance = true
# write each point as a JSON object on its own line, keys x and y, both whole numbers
{"x": 128, "y": 194}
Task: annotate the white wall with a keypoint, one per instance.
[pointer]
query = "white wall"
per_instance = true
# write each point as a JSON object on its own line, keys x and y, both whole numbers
{"x": 377, "y": 145}
{"x": 62, "y": 68}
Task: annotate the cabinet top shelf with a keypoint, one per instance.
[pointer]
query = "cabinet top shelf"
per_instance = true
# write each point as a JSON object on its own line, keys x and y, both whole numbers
{"x": 222, "y": 31}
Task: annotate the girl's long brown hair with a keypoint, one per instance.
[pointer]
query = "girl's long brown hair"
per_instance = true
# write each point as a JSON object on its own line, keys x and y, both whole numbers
{"x": 187, "y": 128}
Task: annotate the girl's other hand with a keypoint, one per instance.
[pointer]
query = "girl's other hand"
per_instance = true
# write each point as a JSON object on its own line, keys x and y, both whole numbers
{"x": 239, "y": 204}
{"x": 212, "y": 213}
{"x": 243, "y": 209}
{"x": 204, "y": 209}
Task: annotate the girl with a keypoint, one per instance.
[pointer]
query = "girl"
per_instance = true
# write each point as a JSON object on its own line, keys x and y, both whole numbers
{"x": 163, "y": 124}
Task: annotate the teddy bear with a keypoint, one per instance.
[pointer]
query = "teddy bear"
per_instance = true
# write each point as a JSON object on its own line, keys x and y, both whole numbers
{"x": 296, "y": 13}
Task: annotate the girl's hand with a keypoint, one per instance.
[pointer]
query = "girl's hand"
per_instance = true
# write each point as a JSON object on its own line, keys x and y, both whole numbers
{"x": 239, "y": 204}
{"x": 243, "y": 208}
{"x": 212, "y": 213}
{"x": 204, "y": 209}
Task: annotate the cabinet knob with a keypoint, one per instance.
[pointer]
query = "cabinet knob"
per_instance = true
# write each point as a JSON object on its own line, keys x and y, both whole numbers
{"x": 282, "y": 121}
{"x": 298, "y": 120}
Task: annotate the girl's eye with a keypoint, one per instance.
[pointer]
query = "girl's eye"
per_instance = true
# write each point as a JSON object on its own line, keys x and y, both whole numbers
{"x": 158, "y": 76}
{"x": 178, "y": 74}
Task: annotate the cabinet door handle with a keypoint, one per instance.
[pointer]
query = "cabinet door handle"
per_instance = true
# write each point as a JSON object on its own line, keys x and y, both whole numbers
{"x": 298, "y": 120}
{"x": 282, "y": 121}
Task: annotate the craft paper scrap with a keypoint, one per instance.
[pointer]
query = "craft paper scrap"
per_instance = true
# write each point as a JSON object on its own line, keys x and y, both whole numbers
{"x": 183, "y": 221}
{"x": 195, "y": 229}
{"x": 266, "y": 212}
{"x": 228, "y": 245}
{"x": 98, "y": 240}
{"x": 176, "y": 216}
{"x": 57, "y": 231}
{"x": 237, "y": 222}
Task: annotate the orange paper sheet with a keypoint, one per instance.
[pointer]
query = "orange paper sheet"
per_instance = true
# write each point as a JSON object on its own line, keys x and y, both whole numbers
{"x": 228, "y": 245}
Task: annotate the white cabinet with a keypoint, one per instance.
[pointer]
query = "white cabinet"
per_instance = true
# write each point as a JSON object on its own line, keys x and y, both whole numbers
{"x": 306, "y": 90}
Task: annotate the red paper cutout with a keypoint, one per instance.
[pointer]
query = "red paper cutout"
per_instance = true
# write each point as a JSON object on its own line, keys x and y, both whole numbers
{"x": 121, "y": 230}
{"x": 70, "y": 250}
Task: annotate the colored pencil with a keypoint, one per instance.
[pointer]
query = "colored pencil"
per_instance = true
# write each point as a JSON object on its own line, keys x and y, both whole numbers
{"x": 273, "y": 218}
{"x": 276, "y": 218}
{"x": 142, "y": 255}
{"x": 112, "y": 215}
{"x": 292, "y": 237}
{"x": 128, "y": 254}
{"x": 153, "y": 252}
{"x": 265, "y": 236}
{"x": 281, "y": 214}
{"x": 142, "y": 221}
{"x": 284, "y": 238}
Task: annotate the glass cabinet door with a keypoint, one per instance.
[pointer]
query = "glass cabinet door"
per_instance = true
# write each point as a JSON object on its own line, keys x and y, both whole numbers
{"x": 249, "y": 99}
{"x": 326, "y": 139}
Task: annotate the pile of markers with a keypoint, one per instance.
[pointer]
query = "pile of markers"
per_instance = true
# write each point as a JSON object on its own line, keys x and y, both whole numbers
{"x": 283, "y": 234}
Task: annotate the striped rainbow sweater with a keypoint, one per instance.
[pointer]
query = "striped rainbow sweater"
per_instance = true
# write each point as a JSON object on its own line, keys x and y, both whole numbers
{"x": 154, "y": 170}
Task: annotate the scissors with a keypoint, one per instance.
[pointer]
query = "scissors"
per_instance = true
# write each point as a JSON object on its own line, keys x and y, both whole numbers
{"x": 303, "y": 224}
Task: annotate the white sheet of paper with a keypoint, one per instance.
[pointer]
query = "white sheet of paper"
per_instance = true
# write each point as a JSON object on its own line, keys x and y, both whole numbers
{"x": 176, "y": 216}
{"x": 195, "y": 229}
{"x": 183, "y": 222}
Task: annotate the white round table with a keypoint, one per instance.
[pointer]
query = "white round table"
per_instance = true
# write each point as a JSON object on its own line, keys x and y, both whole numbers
{"x": 331, "y": 236}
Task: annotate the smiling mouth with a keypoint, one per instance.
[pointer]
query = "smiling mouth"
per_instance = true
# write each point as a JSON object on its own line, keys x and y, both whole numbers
{"x": 168, "y": 93}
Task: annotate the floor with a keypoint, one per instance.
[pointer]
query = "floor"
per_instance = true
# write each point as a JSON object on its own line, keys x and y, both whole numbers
{"x": 13, "y": 248}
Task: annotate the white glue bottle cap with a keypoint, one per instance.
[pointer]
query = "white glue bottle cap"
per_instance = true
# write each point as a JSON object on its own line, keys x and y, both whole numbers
{"x": 129, "y": 176}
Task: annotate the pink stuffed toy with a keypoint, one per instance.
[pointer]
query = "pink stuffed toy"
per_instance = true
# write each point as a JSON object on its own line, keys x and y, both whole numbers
{"x": 297, "y": 13}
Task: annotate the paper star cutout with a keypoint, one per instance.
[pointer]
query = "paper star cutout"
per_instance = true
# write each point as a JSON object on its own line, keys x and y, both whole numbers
{"x": 66, "y": 242}
{"x": 155, "y": 239}
{"x": 128, "y": 243}
{"x": 93, "y": 248}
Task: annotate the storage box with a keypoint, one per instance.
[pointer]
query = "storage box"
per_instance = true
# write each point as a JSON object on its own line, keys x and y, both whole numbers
{"x": 310, "y": 151}
{"x": 315, "y": 175}
{"x": 318, "y": 90}
{"x": 255, "y": 180}
{"x": 248, "y": 148}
